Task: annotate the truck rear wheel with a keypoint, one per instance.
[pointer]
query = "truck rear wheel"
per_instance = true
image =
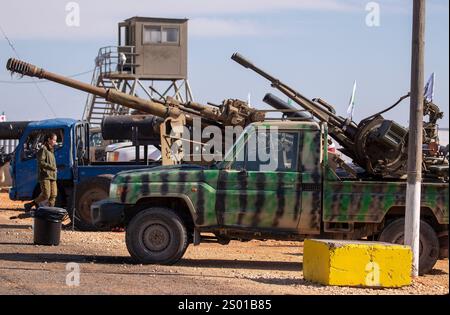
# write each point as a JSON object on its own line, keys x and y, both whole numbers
{"x": 394, "y": 232}
{"x": 88, "y": 192}
{"x": 156, "y": 236}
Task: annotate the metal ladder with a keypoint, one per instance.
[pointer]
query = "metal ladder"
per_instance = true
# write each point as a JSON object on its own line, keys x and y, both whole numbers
{"x": 96, "y": 107}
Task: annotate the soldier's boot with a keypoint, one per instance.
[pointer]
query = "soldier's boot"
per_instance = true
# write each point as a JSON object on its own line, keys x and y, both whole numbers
{"x": 29, "y": 205}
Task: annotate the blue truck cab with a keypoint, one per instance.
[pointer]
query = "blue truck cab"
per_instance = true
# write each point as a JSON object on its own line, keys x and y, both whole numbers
{"x": 24, "y": 165}
{"x": 80, "y": 181}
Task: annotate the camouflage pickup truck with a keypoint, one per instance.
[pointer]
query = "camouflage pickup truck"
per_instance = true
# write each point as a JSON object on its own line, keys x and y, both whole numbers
{"x": 295, "y": 193}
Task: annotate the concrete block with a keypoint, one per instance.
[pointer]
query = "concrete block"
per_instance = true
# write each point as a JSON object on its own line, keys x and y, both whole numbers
{"x": 357, "y": 263}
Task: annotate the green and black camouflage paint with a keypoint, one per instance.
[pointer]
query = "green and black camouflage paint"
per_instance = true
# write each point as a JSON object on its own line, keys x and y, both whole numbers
{"x": 288, "y": 201}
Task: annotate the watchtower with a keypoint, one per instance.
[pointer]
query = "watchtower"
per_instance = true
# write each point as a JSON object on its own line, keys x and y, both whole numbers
{"x": 150, "y": 59}
{"x": 160, "y": 46}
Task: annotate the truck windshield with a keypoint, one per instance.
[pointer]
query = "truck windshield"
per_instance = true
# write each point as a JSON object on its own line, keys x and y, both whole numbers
{"x": 36, "y": 139}
{"x": 262, "y": 149}
{"x": 236, "y": 148}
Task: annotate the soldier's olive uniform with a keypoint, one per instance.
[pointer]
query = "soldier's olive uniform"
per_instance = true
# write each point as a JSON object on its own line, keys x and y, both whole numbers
{"x": 46, "y": 176}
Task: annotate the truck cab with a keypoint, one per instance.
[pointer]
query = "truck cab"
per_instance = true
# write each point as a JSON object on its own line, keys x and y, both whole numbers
{"x": 24, "y": 164}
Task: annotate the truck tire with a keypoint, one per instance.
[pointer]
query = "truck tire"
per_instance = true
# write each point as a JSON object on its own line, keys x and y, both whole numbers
{"x": 88, "y": 192}
{"x": 429, "y": 242}
{"x": 156, "y": 236}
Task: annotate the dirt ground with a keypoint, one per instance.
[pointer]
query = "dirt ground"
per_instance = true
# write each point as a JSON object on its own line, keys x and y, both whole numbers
{"x": 255, "y": 268}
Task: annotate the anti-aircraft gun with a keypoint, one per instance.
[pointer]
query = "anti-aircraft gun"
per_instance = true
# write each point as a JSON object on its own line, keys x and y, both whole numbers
{"x": 376, "y": 144}
{"x": 169, "y": 117}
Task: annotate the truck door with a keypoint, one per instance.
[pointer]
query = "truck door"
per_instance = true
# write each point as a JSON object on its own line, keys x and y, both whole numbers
{"x": 82, "y": 144}
{"x": 262, "y": 190}
{"x": 26, "y": 164}
{"x": 310, "y": 162}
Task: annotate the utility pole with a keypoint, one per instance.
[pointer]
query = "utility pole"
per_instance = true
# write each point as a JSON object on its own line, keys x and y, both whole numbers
{"x": 413, "y": 187}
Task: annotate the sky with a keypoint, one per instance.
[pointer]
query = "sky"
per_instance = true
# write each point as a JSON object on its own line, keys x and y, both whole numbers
{"x": 318, "y": 47}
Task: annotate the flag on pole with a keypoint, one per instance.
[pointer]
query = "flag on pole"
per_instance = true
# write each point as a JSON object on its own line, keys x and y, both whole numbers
{"x": 429, "y": 89}
{"x": 249, "y": 99}
{"x": 351, "y": 105}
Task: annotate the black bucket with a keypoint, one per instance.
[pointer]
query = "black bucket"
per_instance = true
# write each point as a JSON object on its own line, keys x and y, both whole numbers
{"x": 47, "y": 225}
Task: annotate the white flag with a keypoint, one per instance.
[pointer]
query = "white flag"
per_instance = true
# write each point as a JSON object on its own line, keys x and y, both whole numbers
{"x": 248, "y": 99}
{"x": 351, "y": 105}
{"x": 429, "y": 89}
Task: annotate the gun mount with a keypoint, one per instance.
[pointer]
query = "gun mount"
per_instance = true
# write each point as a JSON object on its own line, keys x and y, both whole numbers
{"x": 175, "y": 115}
{"x": 376, "y": 144}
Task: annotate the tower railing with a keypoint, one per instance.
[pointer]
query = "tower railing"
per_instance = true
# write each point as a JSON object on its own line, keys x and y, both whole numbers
{"x": 116, "y": 60}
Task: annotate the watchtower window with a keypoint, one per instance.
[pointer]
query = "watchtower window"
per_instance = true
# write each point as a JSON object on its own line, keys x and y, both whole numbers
{"x": 152, "y": 34}
{"x": 156, "y": 34}
{"x": 170, "y": 35}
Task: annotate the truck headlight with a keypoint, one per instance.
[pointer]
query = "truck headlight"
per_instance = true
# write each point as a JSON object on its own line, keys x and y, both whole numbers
{"x": 116, "y": 191}
{"x": 113, "y": 191}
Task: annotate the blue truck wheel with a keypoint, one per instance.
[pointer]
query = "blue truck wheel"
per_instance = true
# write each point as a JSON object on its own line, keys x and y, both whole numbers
{"x": 88, "y": 192}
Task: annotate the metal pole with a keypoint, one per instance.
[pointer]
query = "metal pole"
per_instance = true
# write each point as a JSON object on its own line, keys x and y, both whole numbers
{"x": 413, "y": 188}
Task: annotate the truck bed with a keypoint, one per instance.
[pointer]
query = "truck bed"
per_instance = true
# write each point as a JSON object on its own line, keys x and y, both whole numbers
{"x": 369, "y": 201}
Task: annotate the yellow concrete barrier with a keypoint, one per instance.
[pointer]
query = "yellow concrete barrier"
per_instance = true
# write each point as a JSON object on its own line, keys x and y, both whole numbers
{"x": 357, "y": 263}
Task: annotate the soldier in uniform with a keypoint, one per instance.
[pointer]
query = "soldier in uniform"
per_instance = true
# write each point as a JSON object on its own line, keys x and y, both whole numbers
{"x": 46, "y": 173}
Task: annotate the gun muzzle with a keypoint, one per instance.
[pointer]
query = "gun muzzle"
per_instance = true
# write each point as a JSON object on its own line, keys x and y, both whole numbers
{"x": 242, "y": 61}
{"x": 23, "y": 68}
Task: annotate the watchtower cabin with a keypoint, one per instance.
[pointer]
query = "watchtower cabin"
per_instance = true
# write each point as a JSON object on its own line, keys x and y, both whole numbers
{"x": 150, "y": 59}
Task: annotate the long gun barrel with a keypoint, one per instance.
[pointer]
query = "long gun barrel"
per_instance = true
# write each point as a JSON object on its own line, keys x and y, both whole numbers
{"x": 342, "y": 131}
{"x": 317, "y": 111}
{"x": 232, "y": 112}
{"x": 111, "y": 95}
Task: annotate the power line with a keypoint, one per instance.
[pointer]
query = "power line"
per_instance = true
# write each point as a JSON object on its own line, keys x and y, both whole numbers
{"x": 9, "y": 42}
{"x": 45, "y": 81}
{"x": 35, "y": 83}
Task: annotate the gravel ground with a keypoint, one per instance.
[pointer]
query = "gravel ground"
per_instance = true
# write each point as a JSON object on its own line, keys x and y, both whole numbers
{"x": 255, "y": 267}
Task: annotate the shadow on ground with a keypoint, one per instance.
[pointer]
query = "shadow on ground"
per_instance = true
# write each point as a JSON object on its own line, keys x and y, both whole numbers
{"x": 15, "y": 226}
{"x": 201, "y": 263}
{"x": 244, "y": 264}
{"x": 51, "y": 257}
{"x": 437, "y": 272}
{"x": 282, "y": 281}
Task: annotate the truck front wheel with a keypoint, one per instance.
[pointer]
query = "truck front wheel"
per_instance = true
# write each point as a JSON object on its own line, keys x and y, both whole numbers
{"x": 394, "y": 232}
{"x": 156, "y": 236}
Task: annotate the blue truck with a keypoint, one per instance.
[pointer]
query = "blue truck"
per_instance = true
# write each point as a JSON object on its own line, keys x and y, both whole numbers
{"x": 80, "y": 181}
